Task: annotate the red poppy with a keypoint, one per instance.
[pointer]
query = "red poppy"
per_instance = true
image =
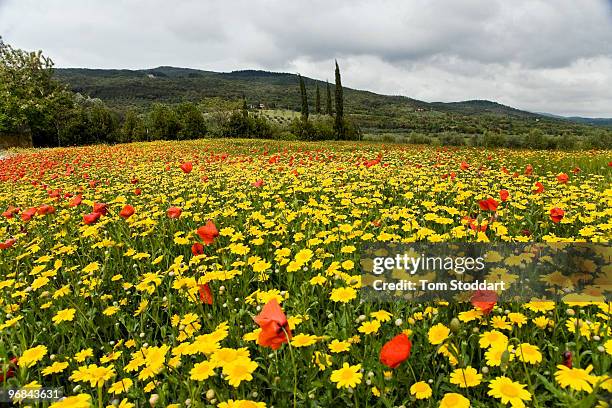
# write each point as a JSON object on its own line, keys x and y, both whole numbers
{"x": 127, "y": 211}
{"x": 529, "y": 170}
{"x": 505, "y": 170}
{"x": 89, "y": 219}
{"x": 8, "y": 243}
{"x": 138, "y": 191}
{"x": 274, "y": 326}
{"x": 197, "y": 249}
{"x": 76, "y": 201}
{"x": 562, "y": 178}
{"x": 10, "y": 212}
{"x": 28, "y": 214}
{"x": 274, "y": 159}
{"x": 187, "y": 167}
{"x": 11, "y": 370}
{"x": 208, "y": 232}
{"x": 258, "y": 183}
{"x": 371, "y": 163}
{"x": 174, "y": 212}
{"x": 484, "y": 300}
{"x": 100, "y": 208}
{"x": 504, "y": 194}
{"x": 464, "y": 165}
{"x": 539, "y": 188}
{"x": 576, "y": 170}
{"x": 556, "y": 214}
{"x": 205, "y": 294}
{"x": 45, "y": 209}
{"x": 395, "y": 351}
{"x": 490, "y": 204}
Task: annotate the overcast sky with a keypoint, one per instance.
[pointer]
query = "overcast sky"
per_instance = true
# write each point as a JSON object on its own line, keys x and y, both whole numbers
{"x": 539, "y": 55}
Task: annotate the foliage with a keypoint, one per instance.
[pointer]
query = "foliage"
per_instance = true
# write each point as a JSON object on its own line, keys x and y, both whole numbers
{"x": 304, "y": 98}
{"x": 31, "y": 101}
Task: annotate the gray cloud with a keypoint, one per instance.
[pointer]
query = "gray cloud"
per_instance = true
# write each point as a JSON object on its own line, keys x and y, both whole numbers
{"x": 542, "y": 55}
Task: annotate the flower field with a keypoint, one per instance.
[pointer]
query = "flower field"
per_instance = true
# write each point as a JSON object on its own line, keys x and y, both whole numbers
{"x": 227, "y": 274}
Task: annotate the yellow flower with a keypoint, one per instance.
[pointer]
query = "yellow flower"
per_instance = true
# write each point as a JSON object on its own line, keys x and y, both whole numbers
{"x": 66, "y": 315}
{"x": 32, "y": 356}
{"x": 470, "y": 315}
{"x": 540, "y": 305}
{"x": 453, "y": 400}
{"x": 83, "y": 354}
{"x": 344, "y": 294}
{"x": 95, "y": 375}
{"x": 111, "y": 310}
{"x": 509, "y": 391}
{"x": 227, "y": 355}
{"x": 500, "y": 322}
{"x": 337, "y": 346}
{"x": 241, "y": 404}
{"x": 528, "y": 353}
{"x": 92, "y": 267}
{"x": 498, "y": 354}
{"x": 77, "y": 401}
{"x": 201, "y": 371}
{"x": 239, "y": 370}
{"x": 369, "y": 327}
{"x": 125, "y": 404}
{"x": 347, "y": 376}
{"x": 381, "y": 315}
{"x": 465, "y": 378}
{"x": 608, "y": 346}
{"x": 55, "y": 368}
{"x": 303, "y": 340}
{"x": 420, "y": 390}
{"x": 492, "y": 338}
{"x": 438, "y": 333}
{"x": 517, "y": 318}
{"x": 154, "y": 358}
{"x": 121, "y": 386}
{"x": 577, "y": 379}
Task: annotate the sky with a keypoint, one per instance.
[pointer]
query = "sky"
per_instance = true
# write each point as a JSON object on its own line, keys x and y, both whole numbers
{"x": 539, "y": 55}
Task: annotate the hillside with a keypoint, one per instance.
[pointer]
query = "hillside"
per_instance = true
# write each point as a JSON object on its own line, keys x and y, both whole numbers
{"x": 121, "y": 89}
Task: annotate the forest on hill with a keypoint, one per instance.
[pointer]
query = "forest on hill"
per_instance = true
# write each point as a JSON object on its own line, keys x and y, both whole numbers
{"x": 46, "y": 106}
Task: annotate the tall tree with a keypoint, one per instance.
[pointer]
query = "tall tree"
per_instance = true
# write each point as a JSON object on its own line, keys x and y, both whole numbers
{"x": 328, "y": 107}
{"x": 318, "y": 101}
{"x": 339, "y": 122}
{"x": 32, "y": 103}
{"x": 304, "y": 98}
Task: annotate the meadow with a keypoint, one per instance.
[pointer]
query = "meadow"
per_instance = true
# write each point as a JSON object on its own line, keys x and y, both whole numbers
{"x": 226, "y": 273}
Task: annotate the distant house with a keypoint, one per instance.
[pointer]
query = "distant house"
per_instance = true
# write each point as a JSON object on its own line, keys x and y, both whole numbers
{"x": 262, "y": 106}
{"x": 150, "y": 76}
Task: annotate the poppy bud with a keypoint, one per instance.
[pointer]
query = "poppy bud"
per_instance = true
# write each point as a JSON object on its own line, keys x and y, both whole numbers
{"x": 455, "y": 325}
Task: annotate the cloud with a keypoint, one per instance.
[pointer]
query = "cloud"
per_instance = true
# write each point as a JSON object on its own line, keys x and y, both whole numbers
{"x": 541, "y": 55}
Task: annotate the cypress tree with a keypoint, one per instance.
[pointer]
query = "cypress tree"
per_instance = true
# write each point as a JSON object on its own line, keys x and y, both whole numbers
{"x": 318, "y": 101}
{"x": 328, "y": 108}
{"x": 245, "y": 109}
{"x": 304, "y": 98}
{"x": 339, "y": 123}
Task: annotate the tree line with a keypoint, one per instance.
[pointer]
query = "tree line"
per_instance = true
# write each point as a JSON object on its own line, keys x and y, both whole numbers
{"x": 37, "y": 107}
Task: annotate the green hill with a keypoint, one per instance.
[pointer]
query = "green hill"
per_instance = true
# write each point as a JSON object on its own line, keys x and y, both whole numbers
{"x": 121, "y": 89}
